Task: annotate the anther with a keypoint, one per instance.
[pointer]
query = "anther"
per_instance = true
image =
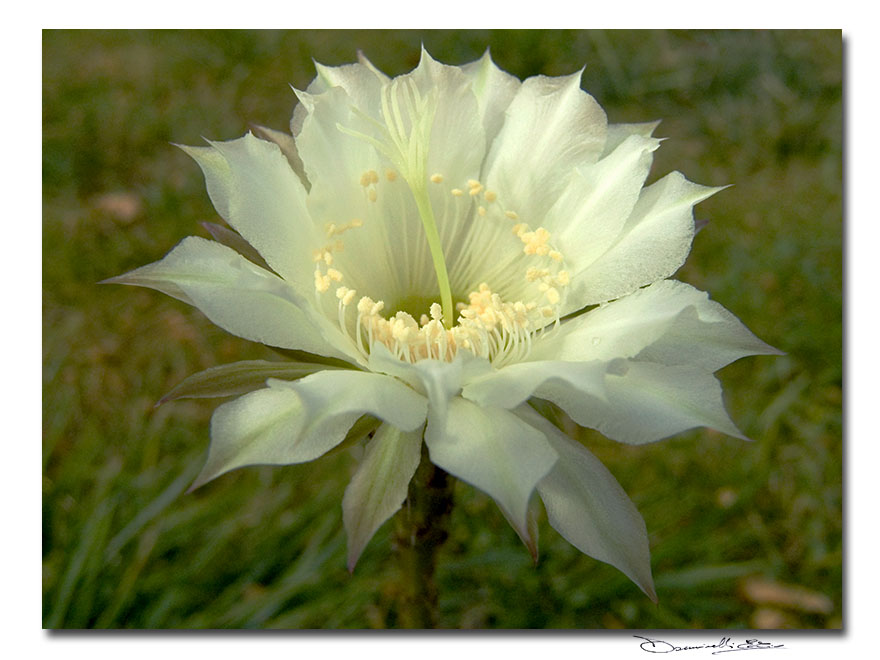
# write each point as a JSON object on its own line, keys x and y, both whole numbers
{"x": 437, "y": 178}
{"x": 391, "y": 175}
{"x": 322, "y": 282}
{"x": 457, "y": 192}
{"x": 512, "y": 215}
{"x": 490, "y": 196}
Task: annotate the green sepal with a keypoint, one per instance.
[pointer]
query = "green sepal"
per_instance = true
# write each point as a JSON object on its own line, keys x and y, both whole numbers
{"x": 232, "y": 239}
{"x": 238, "y": 378}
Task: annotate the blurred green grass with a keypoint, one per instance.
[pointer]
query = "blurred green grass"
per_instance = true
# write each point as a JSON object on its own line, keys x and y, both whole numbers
{"x": 124, "y": 547}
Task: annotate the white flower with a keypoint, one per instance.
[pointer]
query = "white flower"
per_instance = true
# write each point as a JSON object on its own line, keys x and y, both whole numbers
{"x": 438, "y": 233}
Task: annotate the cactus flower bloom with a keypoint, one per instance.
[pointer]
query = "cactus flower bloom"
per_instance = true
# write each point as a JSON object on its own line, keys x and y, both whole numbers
{"x": 459, "y": 244}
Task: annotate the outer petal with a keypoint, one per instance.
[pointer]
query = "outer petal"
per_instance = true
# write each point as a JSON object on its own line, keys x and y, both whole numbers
{"x": 295, "y": 422}
{"x": 588, "y": 507}
{"x": 493, "y": 450}
{"x": 380, "y": 485}
{"x": 594, "y": 207}
{"x": 648, "y": 402}
{"x": 255, "y": 190}
{"x": 653, "y": 244}
{"x": 360, "y": 81}
{"x": 617, "y": 133}
{"x": 554, "y": 380}
{"x": 667, "y": 322}
{"x": 551, "y": 127}
{"x": 241, "y": 298}
{"x": 439, "y": 381}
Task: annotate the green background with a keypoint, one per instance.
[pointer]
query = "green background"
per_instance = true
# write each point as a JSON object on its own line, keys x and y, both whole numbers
{"x": 742, "y": 534}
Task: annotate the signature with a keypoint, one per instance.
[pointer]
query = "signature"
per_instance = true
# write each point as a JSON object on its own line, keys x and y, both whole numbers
{"x": 723, "y": 646}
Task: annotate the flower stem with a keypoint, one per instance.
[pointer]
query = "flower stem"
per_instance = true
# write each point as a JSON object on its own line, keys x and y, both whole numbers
{"x": 420, "y": 530}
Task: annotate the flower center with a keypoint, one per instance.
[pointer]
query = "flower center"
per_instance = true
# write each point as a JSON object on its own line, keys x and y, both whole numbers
{"x": 529, "y": 277}
{"x": 496, "y": 324}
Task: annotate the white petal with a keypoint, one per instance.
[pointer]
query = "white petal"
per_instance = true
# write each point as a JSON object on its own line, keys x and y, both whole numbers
{"x": 255, "y": 190}
{"x": 648, "y": 402}
{"x": 593, "y": 209}
{"x": 653, "y": 244}
{"x": 287, "y": 145}
{"x": 494, "y": 90}
{"x": 456, "y": 152}
{"x": 458, "y": 141}
{"x": 380, "y": 485}
{"x": 551, "y": 127}
{"x": 617, "y": 133}
{"x": 439, "y": 381}
{"x": 668, "y": 322}
{"x": 295, "y": 422}
{"x": 360, "y": 81}
{"x": 241, "y": 298}
{"x": 587, "y": 506}
{"x": 493, "y": 450}
{"x": 512, "y": 385}
{"x": 336, "y": 162}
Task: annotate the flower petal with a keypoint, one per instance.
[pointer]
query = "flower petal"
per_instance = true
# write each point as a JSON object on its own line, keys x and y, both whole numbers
{"x": 652, "y": 245}
{"x": 551, "y": 127}
{"x": 458, "y": 141}
{"x": 494, "y": 90}
{"x": 668, "y": 322}
{"x": 241, "y": 298}
{"x": 360, "y": 81}
{"x": 439, "y": 381}
{"x": 587, "y": 506}
{"x": 551, "y": 379}
{"x": 495, "y": 451}
{"x": 617, "y": 133}
{"x": 255, "y": 190}
{"x": 380, "y": 485}
{"x": 646, "y": 402}
{"x": 296, "y": 422}
{"x": 593, "y": 209}
{"x": 342, "y": 192}
{"x": 286, "y": 143}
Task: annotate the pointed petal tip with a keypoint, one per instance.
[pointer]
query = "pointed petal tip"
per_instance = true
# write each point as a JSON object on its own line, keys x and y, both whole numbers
{"x": 195, "y": 485}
